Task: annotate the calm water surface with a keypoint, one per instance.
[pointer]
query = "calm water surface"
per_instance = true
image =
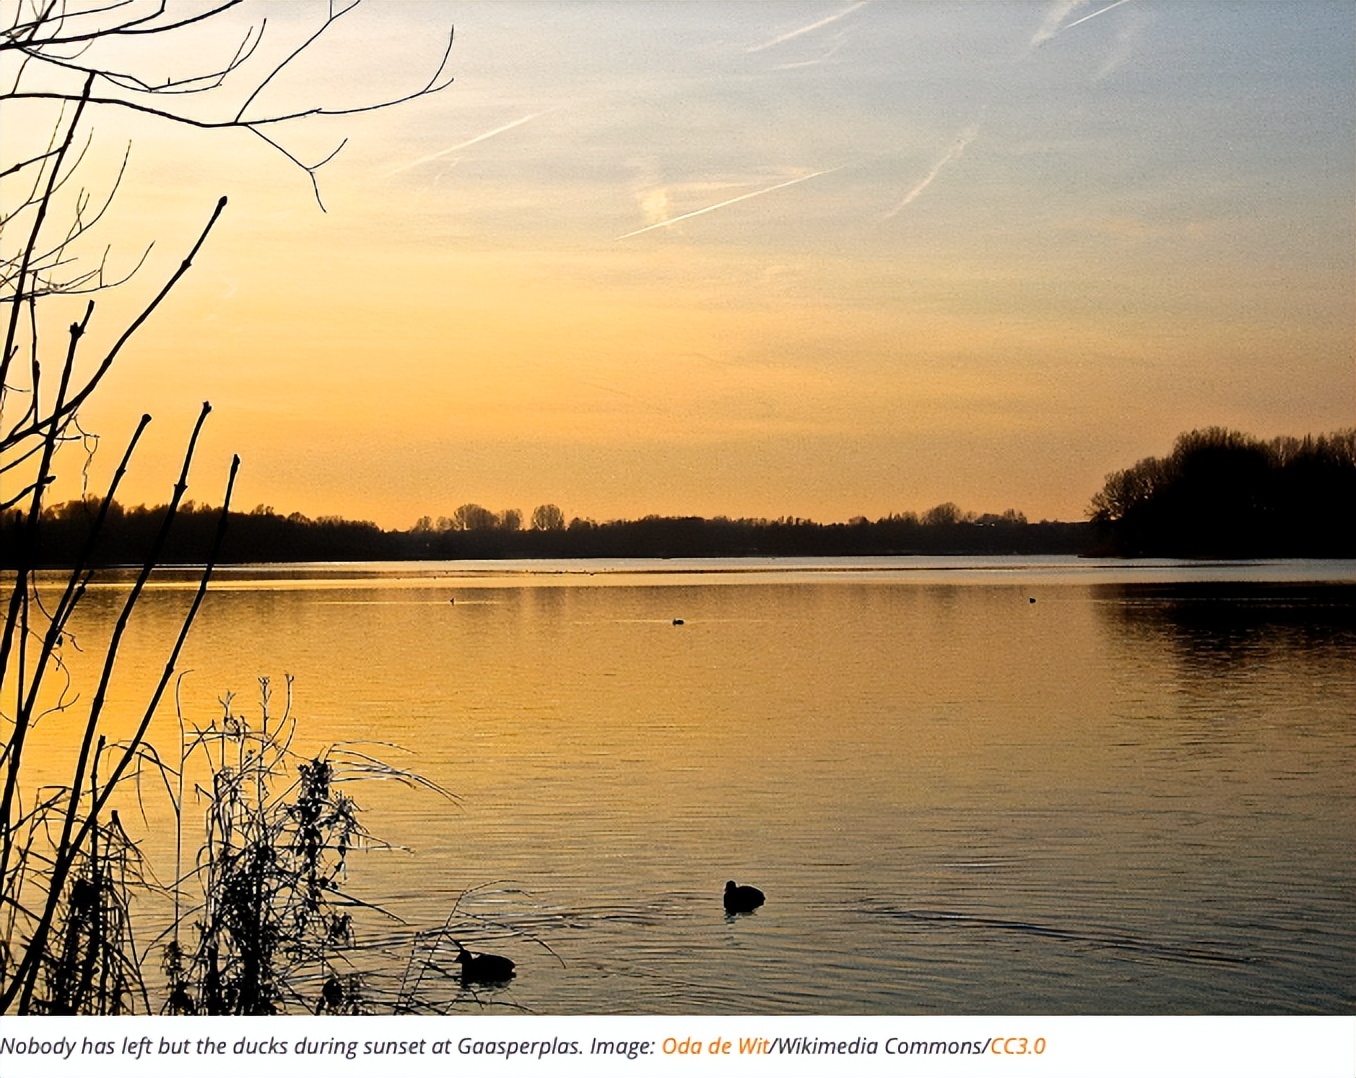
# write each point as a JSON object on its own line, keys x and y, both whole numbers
{"x": 1132, "y": 794}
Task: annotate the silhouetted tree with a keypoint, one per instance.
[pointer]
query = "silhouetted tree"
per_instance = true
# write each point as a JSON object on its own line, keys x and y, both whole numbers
{"x": 1007, "y": 516}
{"x": 946, "y": 513}
{"x": 1221, "y": 493}
{"x": 472, "y": 518}
{"x": 548, "y": 518}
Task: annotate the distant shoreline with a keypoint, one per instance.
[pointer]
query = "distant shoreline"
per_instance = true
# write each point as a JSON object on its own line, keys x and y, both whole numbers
{"x": 266, "y": 537}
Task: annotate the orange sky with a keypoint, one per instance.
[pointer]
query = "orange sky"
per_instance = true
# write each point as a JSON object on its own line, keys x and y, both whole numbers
{"x": 973, "y": 253}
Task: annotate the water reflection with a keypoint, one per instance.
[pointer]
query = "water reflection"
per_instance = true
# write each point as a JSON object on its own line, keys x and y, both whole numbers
{"x": 1131, "y": 795}
{"x": 1230, "y": 621}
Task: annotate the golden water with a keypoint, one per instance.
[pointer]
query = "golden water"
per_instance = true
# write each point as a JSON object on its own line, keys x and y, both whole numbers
{"x": 1134, "y": 794}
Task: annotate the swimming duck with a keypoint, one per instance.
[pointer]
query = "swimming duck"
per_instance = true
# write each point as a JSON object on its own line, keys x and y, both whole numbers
{"x": 741, "y": 898}
{"x": 484, "y": 968}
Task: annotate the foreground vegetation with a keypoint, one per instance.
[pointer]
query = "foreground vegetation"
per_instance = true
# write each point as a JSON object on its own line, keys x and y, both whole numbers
{"x": 259, "y": 917}
{"x": 68, "y": 867}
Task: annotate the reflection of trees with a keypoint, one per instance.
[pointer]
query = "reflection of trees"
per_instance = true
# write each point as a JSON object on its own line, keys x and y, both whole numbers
{"x": 1217, "y": 625}
{"x": 1220, "y": 493}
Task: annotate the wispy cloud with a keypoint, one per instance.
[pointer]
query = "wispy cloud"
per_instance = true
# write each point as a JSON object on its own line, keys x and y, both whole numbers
{"x": 963, "y": 140}
{"x": 828, "y": 20}
{"x": 1127, "y": 42}
{"x": 816, "y": 61}
{"x": 462, "y": 145}
{"x": 728, "y": 202}
{"x": 1055, "y": 15}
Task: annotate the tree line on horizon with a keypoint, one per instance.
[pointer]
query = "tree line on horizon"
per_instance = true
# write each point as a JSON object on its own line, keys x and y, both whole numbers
{"x": 1224, "y": 494}
{"x": 1219, "y": 493}
{"x": 263, "y": 535}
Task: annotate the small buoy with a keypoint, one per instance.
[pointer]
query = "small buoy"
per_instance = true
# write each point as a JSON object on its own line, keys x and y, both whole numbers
{"x": 741, "y": 898}
{"x": 678, "y": 621}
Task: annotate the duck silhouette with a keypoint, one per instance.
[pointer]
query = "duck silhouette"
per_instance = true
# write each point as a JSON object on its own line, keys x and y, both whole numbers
{"x": 484, "y": 968}
{"x": 741, "y": 898}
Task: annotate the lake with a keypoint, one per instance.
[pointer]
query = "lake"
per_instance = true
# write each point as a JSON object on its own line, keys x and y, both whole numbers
{"x": 1037, "y": 785}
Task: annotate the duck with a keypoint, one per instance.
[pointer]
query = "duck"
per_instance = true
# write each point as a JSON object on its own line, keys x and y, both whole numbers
{"x": 741, "y": 898}
{"x": 484, "y": 968}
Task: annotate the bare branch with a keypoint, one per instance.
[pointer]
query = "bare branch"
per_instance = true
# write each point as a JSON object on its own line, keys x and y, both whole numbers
{"x": 191, "y": 84}
{"x": 25, "y": 164}
{"x": 37, "y": 23}
{"x": 331, "y": 19}
{"x": 46, "y": 843}
{"x": 30, "y": 489}
{"x": 310, "y": 170}
{"x": 431, "y": 87}
{"x": 77, "y": 582}
{"x": 127, "y": 29}
{"x": 37, "y": 227}
{"x": 52, "y": 258}
{"x": 204, "y": 81}
{"x": 80, "y": 397}
{"x": 73, "y": 834}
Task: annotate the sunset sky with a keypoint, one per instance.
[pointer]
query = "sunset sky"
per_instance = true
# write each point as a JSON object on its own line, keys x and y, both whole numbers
{"x": 751, "y": 259}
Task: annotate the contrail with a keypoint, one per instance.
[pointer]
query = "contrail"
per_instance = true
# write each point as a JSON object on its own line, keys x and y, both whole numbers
{"x": 1051, "y": 26}
{"x": 808, "y": 29}
{"x": 957, "y": 148}
{"x": 833, "y": 51}
{"x": 1054, "y": 15}
{"x": 1099, "y": 11}
{"x": 728, "y": 202}
{"x": 463, "y": 145}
